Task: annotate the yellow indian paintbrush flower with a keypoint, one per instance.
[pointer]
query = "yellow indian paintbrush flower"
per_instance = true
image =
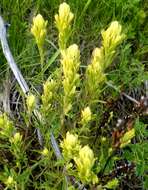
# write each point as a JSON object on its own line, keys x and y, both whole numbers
{"x": 64, "y": 18}
{"x": 47, "y": 96}
{"x": 112, "y": 37}
{"x": 85, "y": 161}
{"x": 101, "y": 58}
{"x": 39, "y": 29}
{"x": 94, "y": 74}
{"x": 70, "y": 63}
{"x": 70, "y": 146}
{"x": 70, "y": 60}
{"x": 63, "y": 21}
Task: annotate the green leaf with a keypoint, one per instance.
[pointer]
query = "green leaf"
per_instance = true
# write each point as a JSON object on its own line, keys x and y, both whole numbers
{"x": 112, "y": 184}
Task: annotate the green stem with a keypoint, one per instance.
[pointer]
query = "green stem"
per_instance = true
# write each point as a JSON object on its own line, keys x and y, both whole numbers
{"x": 41, "y": 52}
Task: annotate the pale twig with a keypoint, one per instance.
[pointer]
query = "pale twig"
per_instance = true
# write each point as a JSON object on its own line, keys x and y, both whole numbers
{"x": 123, "y": 93}
{"x": 130, "y": 98}
{"x": 10, "y": 59}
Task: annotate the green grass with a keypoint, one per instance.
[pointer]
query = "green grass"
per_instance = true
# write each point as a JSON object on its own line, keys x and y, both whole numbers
{"x": 126, "y": 74}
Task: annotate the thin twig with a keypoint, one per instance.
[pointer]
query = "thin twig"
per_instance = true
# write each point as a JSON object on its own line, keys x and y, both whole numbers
{"x": 131, "y": 98}
{"x": 123, "y": 93}
{"x": 10, "y": 59}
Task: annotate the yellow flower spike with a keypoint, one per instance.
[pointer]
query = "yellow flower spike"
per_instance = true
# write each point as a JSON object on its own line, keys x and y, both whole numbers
{"x": 94, "y": 73}
{"x": 63, "y": 24}
{"x": 101, "y": 58}
{"x": 112, "y": 36}
{"x": 70, "y": 146}
{"x": 48, "y": 89}
{"x": 30, "y": 101}
{"x": 73, "y": 51}
{"x": 70, "y": 60}
{"x": 64, "y": 18}
{"x": 126, "y": 139}
{"x": 85, "y": 161}
{"x": 49, "y": 92}
{"x": 70, "y": 63}
{"x": 39, "y": 30}
{"x": 86, "y": 115}
{"x": 86, "y": 156}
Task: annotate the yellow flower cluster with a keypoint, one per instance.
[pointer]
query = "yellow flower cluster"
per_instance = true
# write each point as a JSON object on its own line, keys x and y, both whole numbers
{"x": 86, "y": 116}
{"x": 64, "y": 18}
{"x": 39, "y": 30}
{"x": 70, "y": 62}
{"x": 48, "y": 88}
{"x": 102, "y": 58}
{"x": 83, "y": 157}
{"x": 63, "y": 21}
{"x": 70, "y": 146}
{"x": 112, "y": 37}
{"x": 94, "y": 73}
{"x": 85, "y": 162}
